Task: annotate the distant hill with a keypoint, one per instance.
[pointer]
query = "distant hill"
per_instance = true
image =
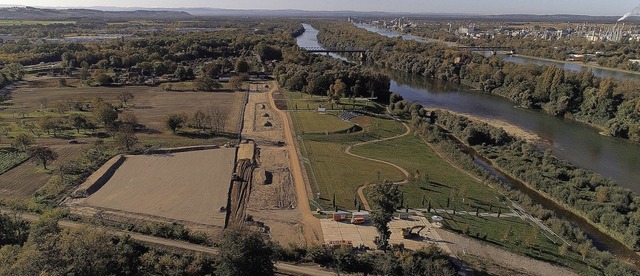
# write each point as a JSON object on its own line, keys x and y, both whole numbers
{"x": 30, "y": 13}
{"x": 106, "y": 12}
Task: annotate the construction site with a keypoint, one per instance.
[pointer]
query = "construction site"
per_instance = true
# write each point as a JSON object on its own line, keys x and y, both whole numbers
{"x": 207, "y": 188}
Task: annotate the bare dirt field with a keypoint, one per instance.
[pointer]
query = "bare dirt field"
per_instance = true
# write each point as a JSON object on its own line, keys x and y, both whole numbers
{"x": 186, "y": 186}
{"x": 24, "y": 180}
{"x": 273, "y": 196}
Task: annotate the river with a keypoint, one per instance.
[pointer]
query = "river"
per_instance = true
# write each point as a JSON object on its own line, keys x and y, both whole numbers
{"x": 570, "y": 66}
{"x": 569, "y": 140}
{"x": 581, "y": 145}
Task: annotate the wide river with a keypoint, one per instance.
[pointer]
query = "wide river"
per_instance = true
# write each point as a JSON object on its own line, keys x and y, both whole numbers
{"x": 579, "y": 144}
{"x": 571, "y": 66}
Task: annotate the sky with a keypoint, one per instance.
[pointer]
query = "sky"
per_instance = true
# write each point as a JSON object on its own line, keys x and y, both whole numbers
{"x": 583, "y": 7}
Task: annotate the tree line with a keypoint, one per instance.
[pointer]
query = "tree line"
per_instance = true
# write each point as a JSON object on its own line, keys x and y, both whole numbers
{"x": 592, "y": 196}
{"x": 319, "y": 75}
{"x": 43, "y": 247}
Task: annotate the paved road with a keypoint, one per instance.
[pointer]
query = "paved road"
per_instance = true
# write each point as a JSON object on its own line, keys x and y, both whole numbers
{"x": 310, "y": 224}
{"x": 280, "y": 267}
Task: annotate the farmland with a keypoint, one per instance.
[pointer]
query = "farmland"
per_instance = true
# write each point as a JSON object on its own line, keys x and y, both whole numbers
{"x": 185, "y": 186}
{"x": 22, "y": 181}
{"x": 150, "y": 104}
{"x": 10, "y": 158}
{"x": 39, "y": 98}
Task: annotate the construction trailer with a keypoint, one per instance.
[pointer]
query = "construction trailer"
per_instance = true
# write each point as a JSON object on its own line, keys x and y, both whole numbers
{"x": 360, "y": 217}
{"x": 340, "y": 216}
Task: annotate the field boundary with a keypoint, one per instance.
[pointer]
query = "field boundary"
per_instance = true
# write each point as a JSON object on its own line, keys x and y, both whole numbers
{"x": 16, "y": 165}
{"x": 181, "y": 149}
{"x": 100, "y": 177}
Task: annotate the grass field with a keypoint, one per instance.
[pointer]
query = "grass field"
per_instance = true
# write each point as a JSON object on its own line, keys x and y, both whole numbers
{"x": 518, "y": 236}
{"x": 340, "y": 174}
{"x": 311, "y": 123}
{"x": 32, "y": 22}
{"x": 433, "y": 178}
{"x": 331, "y": 170}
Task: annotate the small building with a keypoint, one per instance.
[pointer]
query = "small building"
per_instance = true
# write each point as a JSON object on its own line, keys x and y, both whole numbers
{"x": 340, "y": 216}
{"x": 322, "y": 110}
{"x": 360, "y": 217}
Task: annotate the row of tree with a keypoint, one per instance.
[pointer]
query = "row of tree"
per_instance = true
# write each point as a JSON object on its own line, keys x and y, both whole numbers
{"x": 44, "y": 248}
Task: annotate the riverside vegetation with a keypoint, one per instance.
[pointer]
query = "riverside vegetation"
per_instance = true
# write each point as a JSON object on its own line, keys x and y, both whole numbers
{"x": 322, "y": 150}
{"x": 610, "y": 104}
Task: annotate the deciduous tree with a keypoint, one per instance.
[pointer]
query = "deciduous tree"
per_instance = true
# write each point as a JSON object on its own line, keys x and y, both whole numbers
{"x": 386, "y": 198}
{"x": 23, "y": 141}
{"x": 104, "y": 112}
{"x": 245, "y": 252}
{"x": 174, "y": 121}
{"x": 199, "y": 119}
{"x": 124, "y": 97}
{"x": 126, "y": 137}
{"x": 78, "y": 121}
{"x": 43, "y": 155}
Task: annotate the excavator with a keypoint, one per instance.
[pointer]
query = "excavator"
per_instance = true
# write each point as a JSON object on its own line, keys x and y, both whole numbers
{"x": 410, "y": 232}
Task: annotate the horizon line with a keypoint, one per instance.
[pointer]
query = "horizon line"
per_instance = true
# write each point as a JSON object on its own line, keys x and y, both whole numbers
{"x": 275, "y": 10}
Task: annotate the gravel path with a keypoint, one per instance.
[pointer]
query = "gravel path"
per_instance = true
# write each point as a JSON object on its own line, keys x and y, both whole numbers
{"x": 461, "y": 246}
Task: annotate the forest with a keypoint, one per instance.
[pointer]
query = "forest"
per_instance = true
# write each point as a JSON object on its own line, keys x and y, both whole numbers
{"x": 610, "y": 104}
{"x": 319, "y": 75}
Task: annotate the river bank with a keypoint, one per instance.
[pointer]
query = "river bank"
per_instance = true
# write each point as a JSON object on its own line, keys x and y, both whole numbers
{"x": 612, "y": 240}
{"x": 591, "y": 65}
{"x": 600, "y": 236}
{"x": 454, "y": 44}
{"x": 511, "y": 129}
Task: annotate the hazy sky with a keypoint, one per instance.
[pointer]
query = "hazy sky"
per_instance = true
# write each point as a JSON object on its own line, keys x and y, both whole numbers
{"x": 588, "y": 7}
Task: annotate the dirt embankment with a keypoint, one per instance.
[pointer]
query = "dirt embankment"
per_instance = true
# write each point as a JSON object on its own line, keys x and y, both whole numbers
{"x": 273, "y": 198}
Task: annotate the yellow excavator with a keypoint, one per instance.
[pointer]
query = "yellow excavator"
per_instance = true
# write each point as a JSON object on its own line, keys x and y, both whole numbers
{"x": 410, "y": 232}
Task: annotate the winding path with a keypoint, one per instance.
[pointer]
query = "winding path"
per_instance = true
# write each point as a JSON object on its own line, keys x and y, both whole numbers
{"x": 401, "y": 169}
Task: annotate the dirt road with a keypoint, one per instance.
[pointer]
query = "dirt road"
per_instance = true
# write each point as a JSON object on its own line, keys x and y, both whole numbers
{"x": 280, "y": 267}
{"x": 310, "y": 224}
